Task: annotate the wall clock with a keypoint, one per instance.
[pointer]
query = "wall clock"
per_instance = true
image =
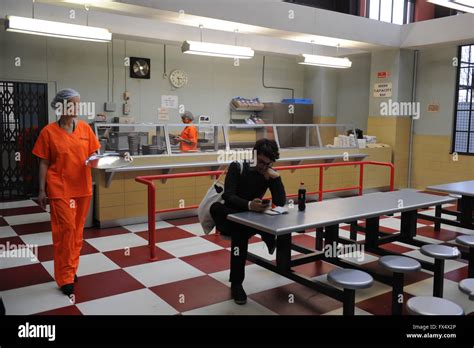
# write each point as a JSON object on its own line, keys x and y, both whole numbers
{"x": 178, "y": 78}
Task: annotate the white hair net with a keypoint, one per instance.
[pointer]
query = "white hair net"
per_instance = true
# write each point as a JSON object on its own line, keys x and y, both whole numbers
{"x": 64, "y": 94}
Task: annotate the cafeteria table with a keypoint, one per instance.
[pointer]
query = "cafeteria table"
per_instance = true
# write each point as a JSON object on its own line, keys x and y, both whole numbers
{"x": 328, "y": 215}
{"x": 465, "y": 189}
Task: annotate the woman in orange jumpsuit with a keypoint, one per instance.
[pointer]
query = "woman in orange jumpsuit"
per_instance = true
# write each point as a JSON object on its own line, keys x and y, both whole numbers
{"x": 188, "y": 138}
{"x": 63, "y": 148}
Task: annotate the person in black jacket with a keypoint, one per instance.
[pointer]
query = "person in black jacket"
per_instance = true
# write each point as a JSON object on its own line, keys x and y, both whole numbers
{"x": 243, "y": 192}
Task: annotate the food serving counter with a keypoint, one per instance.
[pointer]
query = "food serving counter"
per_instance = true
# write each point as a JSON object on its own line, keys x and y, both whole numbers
{"x": 119, "y": 200}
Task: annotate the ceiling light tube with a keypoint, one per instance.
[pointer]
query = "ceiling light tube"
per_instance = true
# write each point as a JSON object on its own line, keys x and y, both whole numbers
{"x": 56, "y": 29}
{"x": 325, "y": 61}
{"x": 216, "y": 50}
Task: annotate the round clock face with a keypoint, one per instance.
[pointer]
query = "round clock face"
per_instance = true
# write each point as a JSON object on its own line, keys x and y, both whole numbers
{"x": 178, "y": 78}
{"x": 141, "y": 68}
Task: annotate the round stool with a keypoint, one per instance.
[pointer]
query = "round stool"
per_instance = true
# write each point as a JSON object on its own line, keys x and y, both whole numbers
{"x": 467, "y": 286}
{"x": 399, "y": 265}
{"x": 426, "y": 305}
{"x": 440, "y": 253}
{"x": 350, "y": 280}
{"x": 468, "y": 241}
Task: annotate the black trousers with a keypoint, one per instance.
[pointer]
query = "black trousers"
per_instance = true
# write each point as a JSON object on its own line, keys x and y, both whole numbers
{"x": 240, "y": 239}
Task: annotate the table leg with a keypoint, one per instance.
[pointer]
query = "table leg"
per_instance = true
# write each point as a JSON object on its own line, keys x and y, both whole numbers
{"x": 319, "y": 238}
{"x": 397, "y": 291}
{"x": 331, "y": 234}
{"x": 470, "y": 270}
{"x": 438, "y": 278}
{"x": 408, "y": 225}
{"x": 283, "y": 250}
{"x": 437, "y": 225}
{"x": 353, "y": 234}
{"x": 458, "y": 208}
{"x": 467, "y": 206}
{"x": 372, "y": 233}
{"x": 349, "y": 302}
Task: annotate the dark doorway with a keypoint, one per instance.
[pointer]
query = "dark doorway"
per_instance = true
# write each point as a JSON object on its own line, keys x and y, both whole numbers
{"x": 23, "y": 113}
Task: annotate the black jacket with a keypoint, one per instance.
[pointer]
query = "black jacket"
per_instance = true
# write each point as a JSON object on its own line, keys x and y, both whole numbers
{"x": 239, "y": 188}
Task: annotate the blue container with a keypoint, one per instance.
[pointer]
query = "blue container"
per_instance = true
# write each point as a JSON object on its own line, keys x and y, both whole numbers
{"x": 297, "y": 101}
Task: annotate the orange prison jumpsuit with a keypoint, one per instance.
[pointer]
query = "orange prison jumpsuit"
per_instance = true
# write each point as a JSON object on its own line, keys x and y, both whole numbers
{"x": 69, "y": 189}
{"x": 189, "y": 133}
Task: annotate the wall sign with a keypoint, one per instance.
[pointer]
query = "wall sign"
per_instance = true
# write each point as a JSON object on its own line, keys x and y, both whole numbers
{"x": 383, "y": 90}
{"x": 383, "y": 74}
{"x": 163, "y": 114}
{"x": 433, "y": 107}
{"x": 169, "y": 101}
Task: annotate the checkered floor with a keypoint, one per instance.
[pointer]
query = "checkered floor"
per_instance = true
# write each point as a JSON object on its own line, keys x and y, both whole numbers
{"x": 191, "y": 275}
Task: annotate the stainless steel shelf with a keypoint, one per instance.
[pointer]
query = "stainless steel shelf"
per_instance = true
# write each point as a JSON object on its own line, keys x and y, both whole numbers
{"x": 168, "y": 167}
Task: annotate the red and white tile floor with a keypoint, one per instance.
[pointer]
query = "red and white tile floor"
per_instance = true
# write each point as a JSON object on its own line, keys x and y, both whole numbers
{"x": 191, "y": 273}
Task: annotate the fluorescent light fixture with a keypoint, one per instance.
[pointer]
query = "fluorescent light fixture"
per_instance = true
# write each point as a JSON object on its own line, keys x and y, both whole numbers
{"x": 460, "y": 5}
{"x": 56, "y": 29}
{"x": 468, "y": 3}
{"x": 216, "y": 50}
{"x": 326, "y": 61}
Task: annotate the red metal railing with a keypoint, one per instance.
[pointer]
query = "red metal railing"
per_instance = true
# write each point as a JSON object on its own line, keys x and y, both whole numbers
{"x": 149, "y": 181}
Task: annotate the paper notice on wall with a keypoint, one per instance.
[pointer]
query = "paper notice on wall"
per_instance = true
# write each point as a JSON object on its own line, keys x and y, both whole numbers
{"x": 163, "y": 114}
{"x": 169, "y": 101}
{"x": 383, "y": 90}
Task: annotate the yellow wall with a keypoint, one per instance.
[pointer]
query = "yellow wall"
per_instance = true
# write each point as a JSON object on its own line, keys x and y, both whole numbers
{"x": 433, "y": 164}
{"x": 394, "y": 131}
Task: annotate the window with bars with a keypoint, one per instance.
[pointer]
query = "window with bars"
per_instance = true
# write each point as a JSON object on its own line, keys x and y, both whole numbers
{"x": 391, "y": 11}
{"x": 463, "y": 133}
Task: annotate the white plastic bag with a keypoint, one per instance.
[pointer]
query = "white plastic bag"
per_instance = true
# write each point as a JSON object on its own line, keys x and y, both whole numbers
{"x": 213, "y": 195}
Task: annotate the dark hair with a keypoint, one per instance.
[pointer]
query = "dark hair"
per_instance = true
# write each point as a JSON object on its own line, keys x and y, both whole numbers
{"x": 268, "y": 148}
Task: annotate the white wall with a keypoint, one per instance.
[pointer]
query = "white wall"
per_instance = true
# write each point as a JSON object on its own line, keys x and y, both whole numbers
{"x": 343, "y": 93}
{"x": 353, "y": 88}
{"x": 83, "y": 66}
{"x": 436, "y": 83}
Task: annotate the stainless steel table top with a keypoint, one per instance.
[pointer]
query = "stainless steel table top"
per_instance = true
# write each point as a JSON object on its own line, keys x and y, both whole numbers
{"x": 339, "y": 210}
{"x": 464, "y": 188}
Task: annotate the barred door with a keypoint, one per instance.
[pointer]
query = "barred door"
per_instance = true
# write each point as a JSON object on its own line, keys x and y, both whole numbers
{"x": 23, "y": 113}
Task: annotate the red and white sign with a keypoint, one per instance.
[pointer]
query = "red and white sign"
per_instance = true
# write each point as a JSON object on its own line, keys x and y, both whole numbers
{"x": 383, "y": 74}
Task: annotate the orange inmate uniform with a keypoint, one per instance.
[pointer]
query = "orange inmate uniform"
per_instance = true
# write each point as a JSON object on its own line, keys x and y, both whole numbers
{"x": 69, "y": 189}
{"x": 189, "y": 133}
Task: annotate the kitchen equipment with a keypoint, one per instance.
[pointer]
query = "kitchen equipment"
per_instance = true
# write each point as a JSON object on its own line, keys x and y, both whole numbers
{"x": 152, "y": 150}
{"x": 134, "y": 144}
{"x": 279, "y": 113}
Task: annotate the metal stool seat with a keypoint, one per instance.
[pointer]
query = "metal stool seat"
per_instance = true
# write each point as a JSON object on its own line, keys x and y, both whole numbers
{"x": 399, "y": 265}
{"x": 440, "y": 253}
{"x": 467, "y": 286}
{"x": 426, "y": 305}
{"x": 350, "y": 280}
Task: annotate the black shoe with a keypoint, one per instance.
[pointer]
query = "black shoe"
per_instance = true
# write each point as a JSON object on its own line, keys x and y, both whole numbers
{"x": 75, "y": 278}
{"x": 271, "y": 244}
{"x": 238, "y": 294}
{"x": 68, "y": 289}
